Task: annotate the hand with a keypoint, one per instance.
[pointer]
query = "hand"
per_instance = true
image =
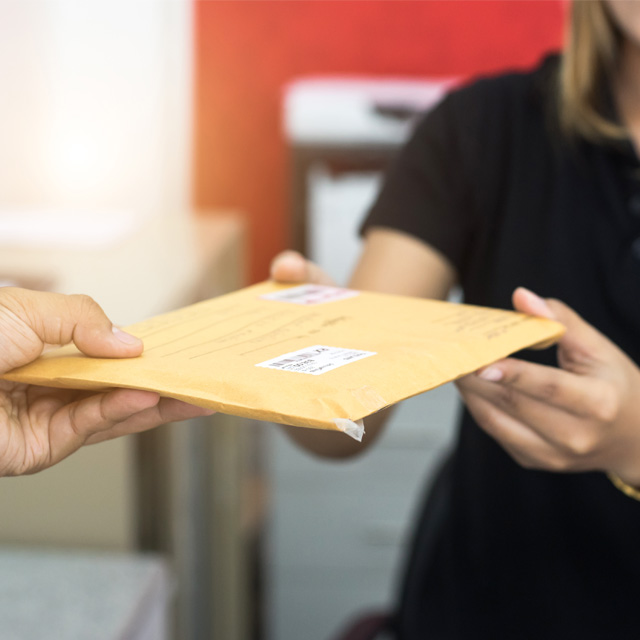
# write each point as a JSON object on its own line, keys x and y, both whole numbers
{"x": 582, "y": 416}
{"x": 39, "y": 426}
{"x": 291, "y": 267}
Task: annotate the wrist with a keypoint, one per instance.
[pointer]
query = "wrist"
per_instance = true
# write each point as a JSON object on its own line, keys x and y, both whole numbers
{"x": 629, "y": 490}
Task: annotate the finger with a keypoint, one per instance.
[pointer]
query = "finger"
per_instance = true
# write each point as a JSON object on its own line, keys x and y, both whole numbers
{"x": 578, "y": 395}
{"x": 288, "y": 266}
{"x": 573, "y": 437}
{"x": 167, "y": 410}
{"x": 520, "y": 442}
{"x": 292, "y": 267}
{"x": 58, "y": 319}
{"x": 73, "y": 424}
{"x": 581, "y": 345}
{"x": 528, "y": 302}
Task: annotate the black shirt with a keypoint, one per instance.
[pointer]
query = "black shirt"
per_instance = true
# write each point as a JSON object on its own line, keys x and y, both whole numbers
{"x": 488, "y": 179}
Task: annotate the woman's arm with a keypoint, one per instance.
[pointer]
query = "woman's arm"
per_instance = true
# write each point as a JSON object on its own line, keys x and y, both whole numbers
{"x": 391, "y": 262}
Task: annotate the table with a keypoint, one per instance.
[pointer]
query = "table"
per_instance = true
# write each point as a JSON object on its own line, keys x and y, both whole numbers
{"x": 80, "y": 595}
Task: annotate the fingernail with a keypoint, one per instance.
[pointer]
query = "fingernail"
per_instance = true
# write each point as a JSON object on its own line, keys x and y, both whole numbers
{"x": 124, "y": 337}
{"x": 540, "y": 305}
{"x": 492, "y": 374}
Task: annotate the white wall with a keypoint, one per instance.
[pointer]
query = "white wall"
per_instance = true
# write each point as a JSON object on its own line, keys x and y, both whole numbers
{"x": 95, "y": 104}
{"x": 95, "y": 117}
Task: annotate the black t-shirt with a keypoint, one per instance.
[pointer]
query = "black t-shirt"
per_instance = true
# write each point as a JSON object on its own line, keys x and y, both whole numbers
{"x": 488, "y": 179}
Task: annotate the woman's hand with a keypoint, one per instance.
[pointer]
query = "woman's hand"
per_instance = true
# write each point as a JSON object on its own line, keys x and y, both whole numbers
{"x": 39, "y": 426}
{"x": 582, "y": 416}
{"x": 290, "y": 267}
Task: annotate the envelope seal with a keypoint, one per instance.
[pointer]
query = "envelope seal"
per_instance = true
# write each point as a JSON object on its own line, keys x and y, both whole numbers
{"x": 351, "y": 428}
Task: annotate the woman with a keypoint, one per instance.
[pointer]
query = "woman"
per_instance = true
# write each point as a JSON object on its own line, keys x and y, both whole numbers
{"x": 527, "y": 179}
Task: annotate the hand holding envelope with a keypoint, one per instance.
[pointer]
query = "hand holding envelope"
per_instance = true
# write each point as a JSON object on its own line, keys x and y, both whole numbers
{"x": 308, "y": 356}
{"x": 40, "y": 426}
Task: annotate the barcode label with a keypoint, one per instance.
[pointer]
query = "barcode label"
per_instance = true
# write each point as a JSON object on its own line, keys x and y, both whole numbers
{"x": 315, "y": 360}
{"x": 308, "y": 294}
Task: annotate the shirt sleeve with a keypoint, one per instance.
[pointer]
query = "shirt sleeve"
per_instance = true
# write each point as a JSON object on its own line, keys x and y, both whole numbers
{"x": 427, "y": 191}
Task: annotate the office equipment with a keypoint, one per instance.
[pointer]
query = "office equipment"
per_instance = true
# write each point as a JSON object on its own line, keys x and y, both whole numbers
{"x": 349, "y": 124}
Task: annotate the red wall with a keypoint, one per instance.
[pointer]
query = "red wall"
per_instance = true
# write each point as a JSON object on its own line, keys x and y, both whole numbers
{"x": 246, "y": 50}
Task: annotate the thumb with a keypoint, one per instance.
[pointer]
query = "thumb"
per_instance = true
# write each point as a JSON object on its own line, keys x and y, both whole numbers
{"x": 31, "y": 319}
{"x": 581, "y": 343}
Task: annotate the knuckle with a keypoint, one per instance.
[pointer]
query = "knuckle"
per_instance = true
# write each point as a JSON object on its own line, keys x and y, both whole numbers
{"x": 558, "y": 464}
{"x": 559, "y": 309}
{"x": 550, "y": 391}
{"x": 84, "y": 302}
{"x": 581, "y": 444}
{"x": 85, "y": 309}
{"x": 73, "y": 419}
{"x": 507, "y": 399}
{"x": 102, "y": 410}
{"x": 605, "y": 404}
{"x": 58, "y": 329}
{"x": 513, "y": 373}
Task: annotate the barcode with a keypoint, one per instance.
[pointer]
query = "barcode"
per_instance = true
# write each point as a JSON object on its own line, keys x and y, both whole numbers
{"x": 315, "y": 360}
{"x": 298, "y": 291}
{"x": 298, "y": 357}
{"x": 310, "y": 294}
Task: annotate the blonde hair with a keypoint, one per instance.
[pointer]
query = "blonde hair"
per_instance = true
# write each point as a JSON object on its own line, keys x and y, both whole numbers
{"x": 591, "y": 54}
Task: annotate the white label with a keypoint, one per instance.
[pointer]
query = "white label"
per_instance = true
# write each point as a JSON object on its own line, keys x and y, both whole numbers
{"x": 315, "y": 360}
{"x": 307, "y": 294}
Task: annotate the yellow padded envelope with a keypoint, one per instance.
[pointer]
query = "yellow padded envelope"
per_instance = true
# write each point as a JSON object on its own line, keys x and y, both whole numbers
{"x": 309, "y": 356}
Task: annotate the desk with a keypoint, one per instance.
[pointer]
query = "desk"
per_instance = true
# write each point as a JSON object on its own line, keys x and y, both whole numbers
{"x": 80, "y": 595}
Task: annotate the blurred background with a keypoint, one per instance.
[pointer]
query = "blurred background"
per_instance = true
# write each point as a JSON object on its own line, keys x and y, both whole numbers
{"x": 158, "y": 152}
